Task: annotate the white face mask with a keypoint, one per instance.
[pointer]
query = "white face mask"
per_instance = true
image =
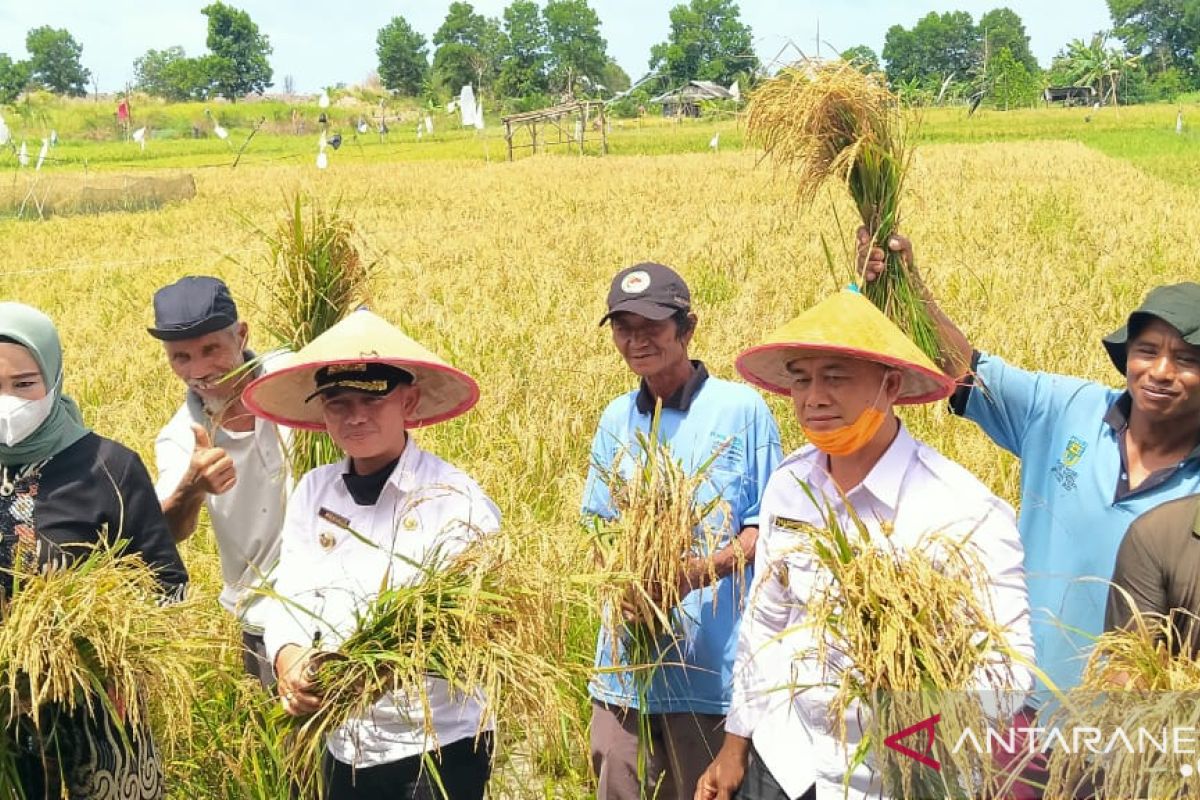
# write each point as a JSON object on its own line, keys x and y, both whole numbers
{"x": 19, "y": 417}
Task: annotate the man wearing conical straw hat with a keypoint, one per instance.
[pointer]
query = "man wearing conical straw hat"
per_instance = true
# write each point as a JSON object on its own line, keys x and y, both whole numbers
{"x": 845, "y": 366}
{"x": 702, "y": 419}
{"x": 351, "y": 526}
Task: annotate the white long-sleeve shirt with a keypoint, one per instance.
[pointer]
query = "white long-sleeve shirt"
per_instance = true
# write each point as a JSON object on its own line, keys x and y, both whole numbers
{"x": 427, "y": 506}
{"x": 918, "y": 492}
{"x": 247, "y": 519}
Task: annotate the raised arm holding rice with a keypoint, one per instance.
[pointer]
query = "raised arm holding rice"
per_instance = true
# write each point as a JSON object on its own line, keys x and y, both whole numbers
{"x": 1093, "y": 458}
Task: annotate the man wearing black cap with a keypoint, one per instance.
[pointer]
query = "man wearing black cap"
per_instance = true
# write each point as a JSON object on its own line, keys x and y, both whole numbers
{"x": 1092, "y": 458}
{"x": 649, "y": 309}
{"x": 214, "y": 453}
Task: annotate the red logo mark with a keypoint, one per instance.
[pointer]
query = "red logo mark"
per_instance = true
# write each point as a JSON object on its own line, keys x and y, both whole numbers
{"x": 926, "y": 725}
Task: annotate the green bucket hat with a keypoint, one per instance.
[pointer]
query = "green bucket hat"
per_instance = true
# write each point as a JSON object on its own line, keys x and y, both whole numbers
{"x": 1178, "y": 305}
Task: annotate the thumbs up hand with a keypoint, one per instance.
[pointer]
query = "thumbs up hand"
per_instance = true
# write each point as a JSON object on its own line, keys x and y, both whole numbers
{"x": 211, "y": 469}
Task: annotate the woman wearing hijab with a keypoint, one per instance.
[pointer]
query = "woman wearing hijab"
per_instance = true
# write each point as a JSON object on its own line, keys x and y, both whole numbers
{"x": 64, "y": 489}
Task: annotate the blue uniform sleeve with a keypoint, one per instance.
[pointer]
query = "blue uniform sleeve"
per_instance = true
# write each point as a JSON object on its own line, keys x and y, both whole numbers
{"x": 1007, "y": 402}
{"x": 765, "y": 454}
{"x": 597, "y": 502}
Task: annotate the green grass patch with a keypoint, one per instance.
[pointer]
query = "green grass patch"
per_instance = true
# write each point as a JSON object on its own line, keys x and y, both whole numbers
{"x": 181, "y": 135}
{"x": 1142, "y": 135}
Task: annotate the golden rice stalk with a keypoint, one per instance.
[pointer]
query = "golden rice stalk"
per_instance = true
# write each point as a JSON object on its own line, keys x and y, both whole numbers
{"x": 317, "y": 276}
{"x": 100, "y": 633}
{"x": 643, "y": 553}
{"x": 914, "y": 631}
{"x": 234, "y": 751}
{"x": 830, "y": 120}
{"x": 1141, "y": 679}
{"x": 478, "y": 622}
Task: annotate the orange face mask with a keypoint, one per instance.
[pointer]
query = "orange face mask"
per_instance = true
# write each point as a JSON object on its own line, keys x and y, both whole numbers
{"x": 850, "y": 438}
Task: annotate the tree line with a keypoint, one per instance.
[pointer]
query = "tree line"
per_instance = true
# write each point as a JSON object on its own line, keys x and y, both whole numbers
{"x": 537, "y": 53}
{"x": 1148, "y": 54}
{"x": 534, "y": 53}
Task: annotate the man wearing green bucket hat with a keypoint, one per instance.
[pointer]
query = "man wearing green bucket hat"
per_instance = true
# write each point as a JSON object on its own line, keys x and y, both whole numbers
{"x": 846, "y": 366}
{"x": 1093, "y": 458}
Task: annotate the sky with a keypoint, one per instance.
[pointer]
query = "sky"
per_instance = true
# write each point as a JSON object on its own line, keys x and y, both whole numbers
{"x": 324, "y": 42}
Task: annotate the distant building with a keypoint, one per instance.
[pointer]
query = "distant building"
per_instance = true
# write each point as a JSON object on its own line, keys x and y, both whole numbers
{"x": 1070, "y": 95}
{"x": 685, "y": 101}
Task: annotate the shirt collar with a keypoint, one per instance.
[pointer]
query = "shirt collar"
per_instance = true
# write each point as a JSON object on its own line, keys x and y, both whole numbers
{"x": 886, "y": 477}
{"x": 683, "y": 396}
{"x": 883, "y": 482}
{"x": 1117, "y": 418}
{"x": 404, "y": 476}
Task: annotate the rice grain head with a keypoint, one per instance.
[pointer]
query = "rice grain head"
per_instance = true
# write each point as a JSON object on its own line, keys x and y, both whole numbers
{"x": 912, "y": 630}
{"x": 822, "y": 121}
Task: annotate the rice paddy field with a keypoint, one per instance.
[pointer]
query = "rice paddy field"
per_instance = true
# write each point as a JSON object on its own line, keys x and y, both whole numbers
{"x": 1037, "y": 230}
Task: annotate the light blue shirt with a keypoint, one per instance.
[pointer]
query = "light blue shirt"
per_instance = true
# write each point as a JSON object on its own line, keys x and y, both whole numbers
{"x": 1070, "y": 520}
{"x": 697, "y": 671}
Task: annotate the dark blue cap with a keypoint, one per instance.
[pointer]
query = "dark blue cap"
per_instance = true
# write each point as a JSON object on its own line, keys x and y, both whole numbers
{"x": 191, "y": 307}
{"x": 649, "y": 290}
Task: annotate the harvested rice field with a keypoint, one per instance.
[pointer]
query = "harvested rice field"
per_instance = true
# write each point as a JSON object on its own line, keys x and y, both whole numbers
{"x": 1037, "y": 245}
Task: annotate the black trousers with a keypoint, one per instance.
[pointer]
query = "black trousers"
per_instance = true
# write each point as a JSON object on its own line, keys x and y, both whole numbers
{"x": 760, "y": 784}
{"x": 254, "y": 661}
{"x": 462, "y": 768}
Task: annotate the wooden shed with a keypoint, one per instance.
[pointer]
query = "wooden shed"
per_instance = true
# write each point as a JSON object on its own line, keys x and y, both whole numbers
{"x": 685, "y": 101}
{"x": 571, "y": 124}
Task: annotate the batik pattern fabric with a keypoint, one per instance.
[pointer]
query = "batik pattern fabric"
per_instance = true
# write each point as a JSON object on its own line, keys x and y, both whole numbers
{"x": 84, "y": 750}
{"x": 18, "y": 532}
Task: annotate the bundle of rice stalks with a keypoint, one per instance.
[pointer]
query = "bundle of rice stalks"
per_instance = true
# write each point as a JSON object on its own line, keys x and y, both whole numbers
{"x": 476, "y": 622}
{"x": 317, "y": 277}
{"x": 1140, "y": 687}
{"x": 912, "y": 632}
{"x": 97, "y": 636}
{"x": 644, "y": 554}
{"x": 831, "y": 120}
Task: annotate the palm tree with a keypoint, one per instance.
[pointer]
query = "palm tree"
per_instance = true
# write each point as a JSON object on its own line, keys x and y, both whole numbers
{"x": 1119, "y": 63}
{"x": 1092, "y": 64}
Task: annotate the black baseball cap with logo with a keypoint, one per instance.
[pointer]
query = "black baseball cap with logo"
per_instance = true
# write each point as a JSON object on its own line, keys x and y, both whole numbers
{"x": 649, "y": 290}
{"x": 191, "y": 307}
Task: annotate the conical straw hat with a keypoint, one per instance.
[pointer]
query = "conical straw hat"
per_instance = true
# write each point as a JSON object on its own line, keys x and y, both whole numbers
{"x": 846, "y": 324}
{"x": 362, "y": 337}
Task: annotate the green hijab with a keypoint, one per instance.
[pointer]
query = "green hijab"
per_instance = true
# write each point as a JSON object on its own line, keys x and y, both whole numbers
{"x": 64, "y": 427}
